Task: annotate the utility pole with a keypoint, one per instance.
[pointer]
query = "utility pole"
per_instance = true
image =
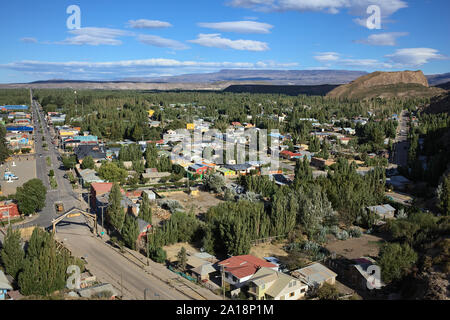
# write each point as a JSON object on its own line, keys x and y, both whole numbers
{"x": 121, "y": 284}
{"x": 223, "y": 283}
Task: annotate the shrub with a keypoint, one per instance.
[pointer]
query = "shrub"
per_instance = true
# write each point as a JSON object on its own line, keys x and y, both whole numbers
{"x": 355, "y": 232}
{"x": 342, "y": 235}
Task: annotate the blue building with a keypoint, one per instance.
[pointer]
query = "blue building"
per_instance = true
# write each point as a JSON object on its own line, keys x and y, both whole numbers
{"x": 13, "y": 108}
{"x": 19, "y": 129}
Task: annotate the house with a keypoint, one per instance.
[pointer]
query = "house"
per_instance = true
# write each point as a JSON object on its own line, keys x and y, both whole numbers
{"x": 226, "y": 172}
{"x": 385, "y": 211}
{"x": 199, "y": 268}
{"x": 242, "y": 169}
{"x": 88, "y": 176}
{"x": 154, "y": 176}
{"x": 360, "y": 275}
{"x": 93, "y": 150}
{"x": 5, "y": 286}
{"x": 269, "y": 284}
{"x": 321, "y": 163}
{"x": 315, "y": 275}
{"x": 99, "y": 189}
{"x": 239, "y": 269}
{"x": 8, "y": 210}
{"x": 144, "y": 227}
{"x": 150, "y": 194}
{"x": 289, "y": 155}
{"x": 199, "y": 168}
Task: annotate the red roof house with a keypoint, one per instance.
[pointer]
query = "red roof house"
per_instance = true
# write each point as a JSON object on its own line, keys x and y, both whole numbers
{"x": 10, "y": 209}
{"x": 239, "y": 269}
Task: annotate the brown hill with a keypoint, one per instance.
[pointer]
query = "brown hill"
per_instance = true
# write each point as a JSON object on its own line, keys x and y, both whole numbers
{"x": 386, "y": 84}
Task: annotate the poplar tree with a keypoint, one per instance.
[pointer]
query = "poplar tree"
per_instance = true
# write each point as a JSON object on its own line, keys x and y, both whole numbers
{"x": 145, "y": 211}
{"x": 130, "y": 231}
{"x": 115, "y": 213}
{"x": 12, "y": 254}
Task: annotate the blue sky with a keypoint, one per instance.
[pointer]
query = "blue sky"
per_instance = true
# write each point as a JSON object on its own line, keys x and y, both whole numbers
{"x": 121, "y": 39}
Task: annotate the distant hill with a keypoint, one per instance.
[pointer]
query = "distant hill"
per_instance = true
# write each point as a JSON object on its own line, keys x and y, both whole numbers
{"x": 319, "y": 90}
{"x": 445, "y": 86}
{"x": 438, "y": 79}
{"x": 273, "y": 77}
{"x": 385, "y": 85}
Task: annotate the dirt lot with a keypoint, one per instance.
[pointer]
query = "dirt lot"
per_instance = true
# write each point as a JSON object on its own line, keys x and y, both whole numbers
{"x": 200, "y": 203}
{"x": 173, "y": 250}
{"x": 24, "y": 169}
{"x": 268, "y": 250}
{"x": 366, "y": 245}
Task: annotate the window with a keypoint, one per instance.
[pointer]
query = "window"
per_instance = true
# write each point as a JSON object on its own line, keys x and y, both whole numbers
{"x": 263, "y": 286}
{"x": 292, "y": 294}
{"x": 303, "y": 290}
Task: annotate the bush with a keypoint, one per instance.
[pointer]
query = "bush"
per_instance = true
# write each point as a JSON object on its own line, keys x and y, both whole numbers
{"x": 342, "y": 235}
{"x": 355, "y": 232}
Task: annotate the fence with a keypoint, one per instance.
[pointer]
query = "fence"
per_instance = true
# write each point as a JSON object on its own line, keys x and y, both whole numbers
{"x": 183, "y": 274}
{"x": 265, "y": 240}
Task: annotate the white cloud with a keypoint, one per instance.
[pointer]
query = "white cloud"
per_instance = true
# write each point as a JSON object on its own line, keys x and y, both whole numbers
{"x": 354, "y": 7}
{"x": 414, "y": 57}
{"x": 216, "y": 41}
{"x": 162, "y": 42}
{"x": 29, "y": 40}
{"x": 238, "y": 26}
{"x": 130, "y": 68}
{"x": 324, "y": 57}
{"x": 383, "y": 39}
{"x": 95, "y": 36}
{"x": 148, "y": 24}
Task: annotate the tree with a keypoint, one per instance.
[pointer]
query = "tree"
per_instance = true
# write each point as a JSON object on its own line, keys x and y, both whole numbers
{"x": 315, "y": 210}
{"x": 69, "y": 162}
{"x": 327, "y": 292}
{"x": 4, "y": 151}
{"x": 303, "y": 172}
{"x": 395, "y": 261}
{"x": 214, "y": 182}
{"x": 45, "y": 266}
{"x": 130, "y": 231}
{"x": 115, "y": 213}
{"x": 31, "y": 196}
{"x": 314, "y": 144}
{"x": 182, "y": 259}
{"x": 88, "y": 163}
{"x": 151, "y": 156}
{"x": 109, "y": 171}
{"x": 12, "y": 254}
{"x": 158, "y": 255}
{"x": 145, "y": 211}
{"x": 444, "y": 196}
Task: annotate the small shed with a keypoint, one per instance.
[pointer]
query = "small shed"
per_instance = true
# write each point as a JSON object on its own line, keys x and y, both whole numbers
{"x": 5, "y": 286}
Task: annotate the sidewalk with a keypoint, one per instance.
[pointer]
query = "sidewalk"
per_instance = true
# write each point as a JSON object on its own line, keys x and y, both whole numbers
{"x": 162, "y": 273}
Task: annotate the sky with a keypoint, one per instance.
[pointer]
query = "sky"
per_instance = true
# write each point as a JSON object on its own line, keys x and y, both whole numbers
{"x": 115, "y": 40}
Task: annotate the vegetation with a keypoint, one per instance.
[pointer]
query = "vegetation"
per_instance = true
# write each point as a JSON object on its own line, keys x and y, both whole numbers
{"x": 12, "y": 254}
{"x": 31, "y": 196}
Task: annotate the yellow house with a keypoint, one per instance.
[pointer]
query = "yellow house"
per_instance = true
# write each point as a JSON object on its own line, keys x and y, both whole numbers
{"x": 190, "y": 126}
{"x": 226, "y": 172}
{"x": 268, "y": 284}
{"x": 151, "y": 113}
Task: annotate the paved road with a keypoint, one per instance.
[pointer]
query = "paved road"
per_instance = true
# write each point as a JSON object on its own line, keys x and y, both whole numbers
{"x": 400, "y": 156}
{"x": 111, "y": 267}
{"x": 64, "y": 192}
{"x": 103, "y": 261}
